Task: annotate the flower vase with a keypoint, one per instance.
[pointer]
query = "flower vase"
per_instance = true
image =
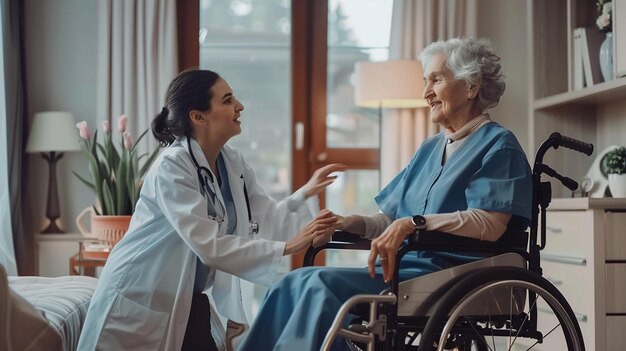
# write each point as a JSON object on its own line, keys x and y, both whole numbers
{"x": 606, "y": 57}
{"x": 617, "y": 184}
{"x": 108, "y": 229}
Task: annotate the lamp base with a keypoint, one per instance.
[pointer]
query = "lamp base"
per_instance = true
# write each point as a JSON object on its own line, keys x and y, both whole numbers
{"x": 53, "y": 228}
{"x": 52, "y": 205}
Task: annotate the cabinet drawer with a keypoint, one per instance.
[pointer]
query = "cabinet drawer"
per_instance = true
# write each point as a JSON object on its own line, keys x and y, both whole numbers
{"x": 615, "y": 336}
{"x": 567, "y": 278}
{"x": 569, "y": 232}
{"x": 615, "y": 236}
{"x": 616, "y": 288}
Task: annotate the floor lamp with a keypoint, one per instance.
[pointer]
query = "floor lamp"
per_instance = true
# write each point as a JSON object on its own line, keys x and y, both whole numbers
{"x": 51, "y": 134}
{"x": 388, "y": 84}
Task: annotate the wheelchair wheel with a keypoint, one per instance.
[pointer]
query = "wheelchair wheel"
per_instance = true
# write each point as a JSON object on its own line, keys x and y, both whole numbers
{"x": 497, "y": 309}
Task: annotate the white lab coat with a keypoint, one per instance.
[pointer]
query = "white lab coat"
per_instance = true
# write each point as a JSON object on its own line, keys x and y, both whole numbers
{"x": 143, "y": 298}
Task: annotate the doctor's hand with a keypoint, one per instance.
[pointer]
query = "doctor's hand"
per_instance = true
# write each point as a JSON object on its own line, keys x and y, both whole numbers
{"x": 321, "y": 179}
{"x": 324, "y": 237}
{"x": 320, "y": 226}
{"x": 353, "y": 224}
{"x": 386, "y": 246}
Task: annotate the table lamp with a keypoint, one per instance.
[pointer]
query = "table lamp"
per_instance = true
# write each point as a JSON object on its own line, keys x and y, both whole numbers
{"x": 388, "y": 84}
{"x": 51, "y": 134}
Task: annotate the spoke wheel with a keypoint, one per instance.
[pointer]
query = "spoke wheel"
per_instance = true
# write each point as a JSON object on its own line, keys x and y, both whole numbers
{"x": 495, "y": 309}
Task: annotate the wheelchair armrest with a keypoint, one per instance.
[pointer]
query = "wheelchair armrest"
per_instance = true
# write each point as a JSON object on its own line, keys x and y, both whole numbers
{"x": 341, "y": 240}
{"x": 511, "y": 240}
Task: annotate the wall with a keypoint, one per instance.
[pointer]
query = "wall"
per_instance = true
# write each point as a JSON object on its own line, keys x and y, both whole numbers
{"x": 504, "y": 23}
{"x": 60, "y": 60}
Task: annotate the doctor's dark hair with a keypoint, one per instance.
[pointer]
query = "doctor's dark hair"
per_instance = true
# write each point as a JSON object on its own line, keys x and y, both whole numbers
{"x": 190, "y": 90}
{"x": 471, "y": 60}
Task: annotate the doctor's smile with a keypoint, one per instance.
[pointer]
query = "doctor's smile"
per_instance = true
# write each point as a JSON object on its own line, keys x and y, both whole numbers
{"x": 202, "y": 223}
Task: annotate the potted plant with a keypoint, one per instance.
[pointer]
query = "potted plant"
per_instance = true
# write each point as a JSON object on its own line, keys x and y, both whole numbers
{"x": 115, "y": 178}
{"x": 616, "y": 169}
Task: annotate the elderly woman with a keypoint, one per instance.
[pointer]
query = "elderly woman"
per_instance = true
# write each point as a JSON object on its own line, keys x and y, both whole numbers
{"x": 471, "y": 180}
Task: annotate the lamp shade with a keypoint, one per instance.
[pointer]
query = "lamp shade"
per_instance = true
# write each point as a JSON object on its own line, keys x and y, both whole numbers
{"x": 53, "y": 131}
{"x": 395, "y": 83}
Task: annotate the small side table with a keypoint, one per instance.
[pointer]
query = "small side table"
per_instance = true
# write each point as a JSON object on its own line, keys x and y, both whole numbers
{"x": 84, "y": 262}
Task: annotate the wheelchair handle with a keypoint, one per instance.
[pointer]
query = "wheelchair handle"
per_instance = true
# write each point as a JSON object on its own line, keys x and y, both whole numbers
{"x": 570, "y": 183}
{"x": 571, "y": 143}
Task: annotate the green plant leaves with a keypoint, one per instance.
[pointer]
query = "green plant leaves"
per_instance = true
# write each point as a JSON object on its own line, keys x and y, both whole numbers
{"x": 115, "y": 175}
{"x": 615, "y": 161}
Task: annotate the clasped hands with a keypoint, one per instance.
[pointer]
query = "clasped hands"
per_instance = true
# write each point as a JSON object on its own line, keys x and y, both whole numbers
{"x": 323, "y": 225}
{"x": 385, "y": 246}
{"x": 320, "y": 230}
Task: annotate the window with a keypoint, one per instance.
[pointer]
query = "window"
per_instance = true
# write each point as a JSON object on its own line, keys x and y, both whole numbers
{"x": 248, "y": 43}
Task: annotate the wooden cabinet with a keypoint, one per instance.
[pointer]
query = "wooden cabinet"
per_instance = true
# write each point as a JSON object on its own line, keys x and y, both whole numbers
{"x": 54, "y": 252}
{"x": 596, "y": 114}
{"x": 585, "y": 258}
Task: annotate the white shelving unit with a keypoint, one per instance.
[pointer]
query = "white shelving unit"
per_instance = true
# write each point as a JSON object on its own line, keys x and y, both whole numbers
{"x": 595, "y": 114}
{"x": 585, "y": 255}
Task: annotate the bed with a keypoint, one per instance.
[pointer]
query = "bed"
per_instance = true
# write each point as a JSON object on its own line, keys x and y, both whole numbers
{"x": 43, "y": 313}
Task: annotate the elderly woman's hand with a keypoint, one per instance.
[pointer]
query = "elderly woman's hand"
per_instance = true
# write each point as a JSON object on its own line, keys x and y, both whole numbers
{"x": 386, "y": 246}
{"x": 321, "y": 179}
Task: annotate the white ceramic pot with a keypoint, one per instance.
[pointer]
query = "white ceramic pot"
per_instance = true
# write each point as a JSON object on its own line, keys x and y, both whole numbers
{"x": 617, "y": 184}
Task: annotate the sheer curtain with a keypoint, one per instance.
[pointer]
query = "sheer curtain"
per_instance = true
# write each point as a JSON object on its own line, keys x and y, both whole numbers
{"x": 11, "y": 141}
{"x": 415, "y": 24}
{"x": 138, "y": 57}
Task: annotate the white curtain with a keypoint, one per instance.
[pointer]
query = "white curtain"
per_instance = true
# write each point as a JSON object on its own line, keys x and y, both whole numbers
{"x": 138, "y": 57}
{"x": 414, "y": 25}
{"x": 7, "y": 252}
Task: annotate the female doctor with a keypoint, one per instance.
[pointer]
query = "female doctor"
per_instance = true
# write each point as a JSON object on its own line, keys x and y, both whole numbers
{"x": 202, "y": 221}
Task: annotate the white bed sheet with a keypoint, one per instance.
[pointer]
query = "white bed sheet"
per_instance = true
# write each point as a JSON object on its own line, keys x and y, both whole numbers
{"x": 63, "y": 300}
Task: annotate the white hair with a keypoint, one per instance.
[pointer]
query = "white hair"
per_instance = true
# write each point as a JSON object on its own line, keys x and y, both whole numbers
{"x": 473, "y": 61}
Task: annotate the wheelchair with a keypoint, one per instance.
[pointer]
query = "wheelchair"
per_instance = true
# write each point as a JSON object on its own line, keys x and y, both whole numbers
{"x": 499, "y": 302}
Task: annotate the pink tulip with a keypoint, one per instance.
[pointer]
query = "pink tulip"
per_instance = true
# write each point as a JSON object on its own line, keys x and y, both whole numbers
{"x": 122, "y": 123}
{"x": 603, "y": 21}
{"x": 106, "y": 127}
{"x": 83, "y": 130}
{"x": 128, "y": 140}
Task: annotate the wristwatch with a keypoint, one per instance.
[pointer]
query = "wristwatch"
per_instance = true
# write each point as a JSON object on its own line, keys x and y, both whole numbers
{"x": 419, "y": 222}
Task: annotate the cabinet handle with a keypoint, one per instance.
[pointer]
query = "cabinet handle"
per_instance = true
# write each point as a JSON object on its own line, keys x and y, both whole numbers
{"x": 579, "y": 316}
{"x": 554, "y": 281}
{"x": 555, "y": 230}
{"x": 579, "y": 261}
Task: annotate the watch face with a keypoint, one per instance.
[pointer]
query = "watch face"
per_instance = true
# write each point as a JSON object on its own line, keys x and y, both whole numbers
{"x": 419, "y": 221}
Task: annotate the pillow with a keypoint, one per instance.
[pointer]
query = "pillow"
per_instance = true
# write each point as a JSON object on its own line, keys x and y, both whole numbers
{"x": 22, "y": 327}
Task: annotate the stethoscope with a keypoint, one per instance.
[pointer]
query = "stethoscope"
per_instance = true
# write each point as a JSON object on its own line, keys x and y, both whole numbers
{"x": 209, "y": 189}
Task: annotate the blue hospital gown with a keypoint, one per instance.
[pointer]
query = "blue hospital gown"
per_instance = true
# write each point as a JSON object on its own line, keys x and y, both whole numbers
{"x": 489, "y": 171}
